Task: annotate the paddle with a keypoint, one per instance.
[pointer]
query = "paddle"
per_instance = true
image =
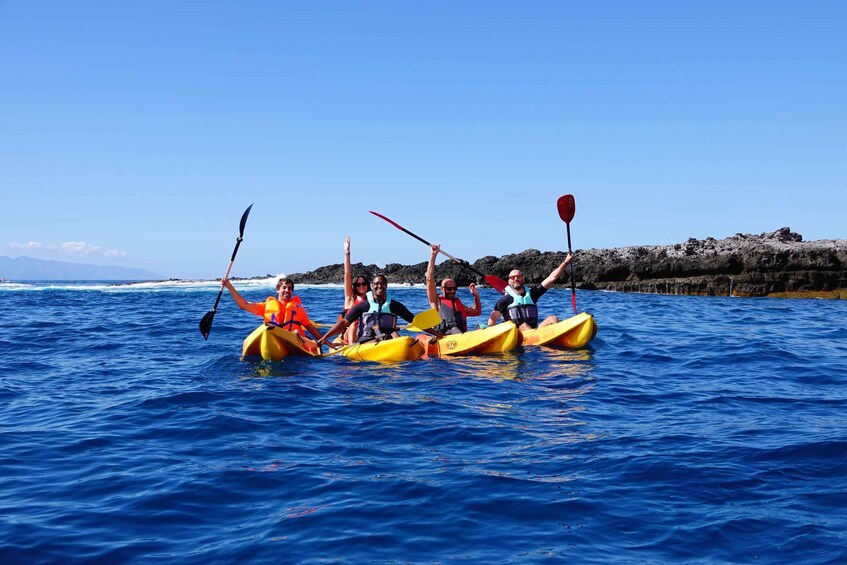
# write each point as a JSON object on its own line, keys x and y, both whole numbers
{"x": 206, "y": 322}
{"x": 494, "y": 281}
{"x": 424, "y": 321}
{"x": 567, "y": 209}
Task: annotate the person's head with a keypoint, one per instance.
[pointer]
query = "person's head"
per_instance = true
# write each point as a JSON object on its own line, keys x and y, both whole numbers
{"x": 380, "y": 286}
{"x": 284, "y": 289}
{"x": 516, "y": 280}
{"x": 448, "y": 288}
{"x": 361, "y": 285}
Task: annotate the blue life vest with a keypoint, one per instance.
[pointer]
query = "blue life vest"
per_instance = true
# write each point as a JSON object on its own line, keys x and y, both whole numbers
{"x": 522, "y": 309}
{"x": 376, "y": 323}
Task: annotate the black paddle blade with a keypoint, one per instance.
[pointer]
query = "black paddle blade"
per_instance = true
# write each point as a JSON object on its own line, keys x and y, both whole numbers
{"x": 567, "y": 208}
{"x": 206, "y": 324}
{"x": 244, "y": 221}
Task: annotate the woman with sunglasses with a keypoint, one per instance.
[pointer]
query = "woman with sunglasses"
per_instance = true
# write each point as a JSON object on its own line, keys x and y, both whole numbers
{"x": 355, "y": 291}
{"x": 519, "y": 303}
{"x": 454, "y": 314}
{"x": 377, "y": 314}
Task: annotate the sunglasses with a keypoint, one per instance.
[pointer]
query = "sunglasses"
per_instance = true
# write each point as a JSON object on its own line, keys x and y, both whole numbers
{"x": 361, "y": 283}
{"x": 449, "y": 287}
{"x": 515, "y": 277}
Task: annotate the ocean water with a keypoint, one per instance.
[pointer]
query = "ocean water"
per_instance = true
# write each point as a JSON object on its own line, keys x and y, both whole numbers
{"x": 693, "y": 429}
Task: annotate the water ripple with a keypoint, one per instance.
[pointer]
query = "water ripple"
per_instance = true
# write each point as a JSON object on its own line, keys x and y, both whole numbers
{"x": 693, "y": 429}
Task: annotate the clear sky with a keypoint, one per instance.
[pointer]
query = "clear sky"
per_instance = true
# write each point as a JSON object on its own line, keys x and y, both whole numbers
{"x": 136, "y": 133}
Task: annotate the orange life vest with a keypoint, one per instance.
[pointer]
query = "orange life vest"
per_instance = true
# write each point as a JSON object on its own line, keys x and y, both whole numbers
{"x": 290, "y": 316}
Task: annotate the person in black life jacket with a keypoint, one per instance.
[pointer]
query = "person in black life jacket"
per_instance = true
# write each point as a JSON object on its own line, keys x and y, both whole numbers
{"x": 454, "y": 314}
{"x": 377, "y": 315}
{"x": 285, "y": 310}
{"x": 518, "y": 303}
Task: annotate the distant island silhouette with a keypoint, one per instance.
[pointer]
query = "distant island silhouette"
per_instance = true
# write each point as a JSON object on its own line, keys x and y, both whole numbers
{"x": 30, "y": 269}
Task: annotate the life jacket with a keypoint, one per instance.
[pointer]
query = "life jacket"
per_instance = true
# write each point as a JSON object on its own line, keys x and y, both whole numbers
{"x": 375, "y": 322}
{"x": 452, "y": 316}
{"x": 289, "y": 316}
{"x": 522, "y": 309}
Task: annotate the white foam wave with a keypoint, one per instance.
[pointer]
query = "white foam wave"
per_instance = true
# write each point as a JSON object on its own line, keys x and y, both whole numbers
{"x": 164, "y": 286}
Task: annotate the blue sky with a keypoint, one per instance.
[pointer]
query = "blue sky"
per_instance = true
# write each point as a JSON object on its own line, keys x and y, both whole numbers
{"x": 137, "y": 133}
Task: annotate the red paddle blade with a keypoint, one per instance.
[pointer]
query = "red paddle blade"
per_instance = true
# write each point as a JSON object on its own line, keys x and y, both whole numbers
{"x": 567, "y": 208}
{"x": 573, "y": 300}
{"x": 390, "y": 221}
{"x": 496, "y": 282}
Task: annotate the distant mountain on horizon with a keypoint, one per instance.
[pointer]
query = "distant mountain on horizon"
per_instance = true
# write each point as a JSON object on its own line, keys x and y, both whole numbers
{"x": 29, "y": 269}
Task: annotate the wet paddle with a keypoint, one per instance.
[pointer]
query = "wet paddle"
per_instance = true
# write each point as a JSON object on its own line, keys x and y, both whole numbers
{"x": 206, "y": 322}
{"x": 567, "y": 209}
{"x": 494, "y": 281}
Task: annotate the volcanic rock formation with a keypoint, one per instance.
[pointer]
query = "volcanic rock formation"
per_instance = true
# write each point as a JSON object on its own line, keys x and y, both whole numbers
{"x": 779, "y": 263}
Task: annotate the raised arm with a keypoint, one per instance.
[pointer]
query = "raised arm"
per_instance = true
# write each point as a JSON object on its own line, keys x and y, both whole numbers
{"x": 252, "y": 307}
{"x": 477, "y": 305}
{"x": 348, "y": 275}
{"x": 431, "y": 292}
{"x": 557, "y": 272}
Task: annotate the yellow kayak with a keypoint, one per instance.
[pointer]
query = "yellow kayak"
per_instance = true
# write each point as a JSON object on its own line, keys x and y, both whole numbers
{"x": 575, "y": 333}
{"x": 404, "y": 348}
{"x": 275, "y": 343}
{"x": 494, "y": 339}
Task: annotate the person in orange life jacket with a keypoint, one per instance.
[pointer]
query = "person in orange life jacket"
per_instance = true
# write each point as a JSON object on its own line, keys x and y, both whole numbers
{"x": 355, "y": 291}
{"x": 378, "y": 315}
{"x": 454, "y": 314}
{"x": 285, "y": 310}
{"x": 518, "y": 303}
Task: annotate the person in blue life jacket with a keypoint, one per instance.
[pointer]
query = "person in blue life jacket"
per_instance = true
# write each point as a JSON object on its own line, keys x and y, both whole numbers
{"x": 377, "y": 315}
{"x": 519, "y": 303}
{"x": 454, "y": 314}
{"x": 285, "y": 310}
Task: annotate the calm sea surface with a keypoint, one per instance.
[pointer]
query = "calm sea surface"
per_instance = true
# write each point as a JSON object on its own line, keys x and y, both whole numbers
{"x": 705, "y": 430}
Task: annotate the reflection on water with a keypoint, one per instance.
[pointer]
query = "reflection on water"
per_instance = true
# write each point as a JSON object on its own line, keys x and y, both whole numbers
{"x": 503, "y": 366}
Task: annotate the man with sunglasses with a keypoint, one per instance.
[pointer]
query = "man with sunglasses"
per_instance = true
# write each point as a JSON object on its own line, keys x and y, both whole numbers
{"x": 454, "y": 314}
{"x": 518, "y": 303}
{"x": 378, "y": 315}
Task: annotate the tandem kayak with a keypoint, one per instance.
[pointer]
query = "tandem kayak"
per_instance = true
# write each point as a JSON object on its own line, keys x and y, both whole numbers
{"x": 403, "y": 348}
{"x": 494, "y": 339}
{"x": 574, "y": 333}
{"x": 274, "y": 343}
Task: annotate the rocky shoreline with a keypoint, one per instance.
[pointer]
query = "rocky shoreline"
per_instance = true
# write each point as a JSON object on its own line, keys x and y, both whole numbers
{"x": 778, "y": 264}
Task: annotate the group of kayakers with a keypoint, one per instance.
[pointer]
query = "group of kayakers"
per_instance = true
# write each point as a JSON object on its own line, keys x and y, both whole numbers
{"x": 369, "y": 312}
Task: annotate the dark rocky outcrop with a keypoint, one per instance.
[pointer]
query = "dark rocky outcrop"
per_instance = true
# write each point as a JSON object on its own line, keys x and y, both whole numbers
{"x": 779, "y": 263}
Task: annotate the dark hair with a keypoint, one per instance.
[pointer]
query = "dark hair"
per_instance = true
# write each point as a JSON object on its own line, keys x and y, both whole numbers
{"x": 284, "y": 280}
{"x": 363, "y": 278}
{"x": 381, "y": 276}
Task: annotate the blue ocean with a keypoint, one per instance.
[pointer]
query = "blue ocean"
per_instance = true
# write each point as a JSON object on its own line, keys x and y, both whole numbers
{"x": 692, "y": 429}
